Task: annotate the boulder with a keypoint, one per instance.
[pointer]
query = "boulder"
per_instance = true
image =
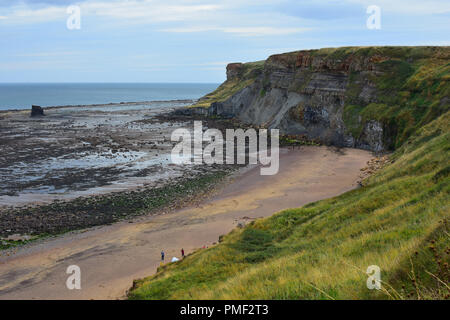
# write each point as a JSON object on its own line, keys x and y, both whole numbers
{"x": 37, "y": 111}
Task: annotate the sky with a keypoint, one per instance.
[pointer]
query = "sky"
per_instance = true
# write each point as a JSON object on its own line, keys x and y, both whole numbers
{"x": 193, "y": 40}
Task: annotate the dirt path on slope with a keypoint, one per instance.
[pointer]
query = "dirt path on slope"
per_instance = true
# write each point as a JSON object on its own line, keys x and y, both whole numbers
{"x": 110, "y": 257}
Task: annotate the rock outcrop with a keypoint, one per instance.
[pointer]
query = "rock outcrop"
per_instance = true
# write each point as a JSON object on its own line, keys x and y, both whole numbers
{"x": 37, "y": 111}
{"x": 234, "y": 70}
{"x": 351, "y": 97}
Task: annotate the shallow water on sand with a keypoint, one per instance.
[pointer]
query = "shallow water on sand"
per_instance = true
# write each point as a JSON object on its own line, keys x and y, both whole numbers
{"x": 84, "y": 150}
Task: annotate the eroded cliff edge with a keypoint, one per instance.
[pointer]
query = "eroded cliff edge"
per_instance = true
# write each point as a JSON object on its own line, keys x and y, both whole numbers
{"x": 365, "y": 97}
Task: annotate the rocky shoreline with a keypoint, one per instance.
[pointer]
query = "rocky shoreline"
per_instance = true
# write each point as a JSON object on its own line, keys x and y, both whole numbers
{"x": 79, "y": 167}
{"x": 19, "y": 225}
{"x": 74, "y": 150}
{"x": 111, "y": 104}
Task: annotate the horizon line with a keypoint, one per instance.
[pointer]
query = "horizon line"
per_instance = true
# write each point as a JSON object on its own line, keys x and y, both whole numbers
{"x": 105, "y": 82}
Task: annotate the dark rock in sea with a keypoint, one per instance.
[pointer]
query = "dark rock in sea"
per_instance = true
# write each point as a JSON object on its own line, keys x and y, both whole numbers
{"x": 37, "y": 111}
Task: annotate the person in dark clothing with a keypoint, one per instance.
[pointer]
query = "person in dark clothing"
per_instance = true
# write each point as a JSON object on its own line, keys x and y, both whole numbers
{"x": 162, "y": 256}
{"x": 182, "y": 252}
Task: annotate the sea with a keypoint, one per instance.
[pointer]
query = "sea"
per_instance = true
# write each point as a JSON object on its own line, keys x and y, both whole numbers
{"x": 23, "y": 95}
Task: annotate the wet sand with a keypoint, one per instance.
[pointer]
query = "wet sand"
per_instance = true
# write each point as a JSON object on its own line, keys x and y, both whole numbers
{"x": 111, "y": 257}
{"x": 84, "y": 150}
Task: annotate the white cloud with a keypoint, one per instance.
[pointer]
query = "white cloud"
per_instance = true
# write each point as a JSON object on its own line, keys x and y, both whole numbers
{"x": 201, "y": 11}
{"x": 149, "y": 11}
{"x": 24, "y": 14}
{"x": 182, "y": 16}
{"x": 416, "y": 7}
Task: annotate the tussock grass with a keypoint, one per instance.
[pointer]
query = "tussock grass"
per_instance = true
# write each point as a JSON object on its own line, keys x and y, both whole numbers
{"x": 399, "y": 221}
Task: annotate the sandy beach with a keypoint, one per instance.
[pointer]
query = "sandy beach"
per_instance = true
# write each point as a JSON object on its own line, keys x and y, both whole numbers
{"x": 111, "y": 257}
{"x": 74, "y": 167}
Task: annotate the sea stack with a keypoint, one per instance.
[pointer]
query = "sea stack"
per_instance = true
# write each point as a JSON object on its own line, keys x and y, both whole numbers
{"x": 37, "y": 111}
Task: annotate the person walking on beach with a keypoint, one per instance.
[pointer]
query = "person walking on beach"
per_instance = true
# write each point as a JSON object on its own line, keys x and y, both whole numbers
{"x": 162, "y": 255}
{"x": 182, "y": 252}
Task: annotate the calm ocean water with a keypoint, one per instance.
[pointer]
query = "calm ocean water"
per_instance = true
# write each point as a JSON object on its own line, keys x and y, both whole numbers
{"x": 23, "y": 95}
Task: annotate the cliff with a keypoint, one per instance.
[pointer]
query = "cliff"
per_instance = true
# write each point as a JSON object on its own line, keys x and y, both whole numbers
{"x": 365, "y": 97}
{"x": 375, "y": 98}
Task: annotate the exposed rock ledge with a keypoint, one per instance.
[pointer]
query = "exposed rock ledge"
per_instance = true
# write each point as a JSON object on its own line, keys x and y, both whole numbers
{"x": 327, "y": 94}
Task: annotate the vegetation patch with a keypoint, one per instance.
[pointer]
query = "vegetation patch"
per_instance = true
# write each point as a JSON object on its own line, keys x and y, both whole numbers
{"x": 412, "y": 89}
{"x": 250, "y": 72}
{"x": 398, "y": 221}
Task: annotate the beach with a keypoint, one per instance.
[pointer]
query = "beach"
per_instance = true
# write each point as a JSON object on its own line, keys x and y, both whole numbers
{"x": 80, "y": 150}
{"x": 198, "y": 153}
{"x": 111, "y": 257}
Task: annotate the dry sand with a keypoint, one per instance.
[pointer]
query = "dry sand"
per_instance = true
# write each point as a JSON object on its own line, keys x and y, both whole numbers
{"x": 110, "y": 257}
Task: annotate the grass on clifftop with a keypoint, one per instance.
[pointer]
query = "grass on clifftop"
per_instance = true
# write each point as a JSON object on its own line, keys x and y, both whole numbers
{"x": 398, "y": 221}
{"x": 412, "y": 89}
{"x": 232, "y": 86}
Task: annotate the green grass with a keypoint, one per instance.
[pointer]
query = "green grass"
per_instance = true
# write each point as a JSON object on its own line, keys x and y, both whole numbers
{"x": 411, "y": 89}
{"x": 399, "y": 221}
{"x": 250, "y": 72}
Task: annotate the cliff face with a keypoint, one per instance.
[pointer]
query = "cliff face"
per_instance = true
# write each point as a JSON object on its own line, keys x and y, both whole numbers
{"x": 371, "y": 98}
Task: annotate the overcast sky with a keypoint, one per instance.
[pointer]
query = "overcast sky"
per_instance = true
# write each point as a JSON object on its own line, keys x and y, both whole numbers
{"x": 193, "y": 40}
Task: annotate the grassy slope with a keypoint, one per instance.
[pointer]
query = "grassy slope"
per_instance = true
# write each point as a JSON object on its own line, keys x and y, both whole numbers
{"x": 398, "y": 221}
{"x": 232, "y": 86}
